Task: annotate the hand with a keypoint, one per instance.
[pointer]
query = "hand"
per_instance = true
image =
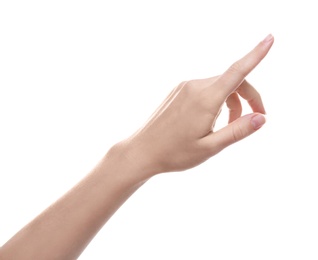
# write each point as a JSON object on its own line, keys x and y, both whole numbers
{"x": 179, "y": 135}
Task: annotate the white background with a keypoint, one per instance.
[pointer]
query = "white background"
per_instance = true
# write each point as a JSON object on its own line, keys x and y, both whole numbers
{"x": 78, "y": 76}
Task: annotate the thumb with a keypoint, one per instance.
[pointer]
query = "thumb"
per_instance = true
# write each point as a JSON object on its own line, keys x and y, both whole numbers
{"x": 235, "y": 131}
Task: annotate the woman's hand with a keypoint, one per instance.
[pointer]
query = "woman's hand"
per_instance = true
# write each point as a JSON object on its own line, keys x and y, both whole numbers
{"x": 179, "y": 135}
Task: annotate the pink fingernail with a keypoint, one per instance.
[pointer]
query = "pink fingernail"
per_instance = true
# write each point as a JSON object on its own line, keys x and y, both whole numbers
{"x": 268, "y": 38}
{"x": 258, "y": 121}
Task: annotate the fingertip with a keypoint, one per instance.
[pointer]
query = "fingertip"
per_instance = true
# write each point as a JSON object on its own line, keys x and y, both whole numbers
{"x": 236, "y": 131}
{"x": 258, "y": 121}
{"x": 268, "y": 39}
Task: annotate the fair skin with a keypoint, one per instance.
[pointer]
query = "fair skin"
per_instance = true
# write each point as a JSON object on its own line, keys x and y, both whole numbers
{"x": 178, "y": 136}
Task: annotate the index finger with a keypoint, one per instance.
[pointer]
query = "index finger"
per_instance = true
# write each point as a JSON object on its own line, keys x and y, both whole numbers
{"x": 235, "y": 74}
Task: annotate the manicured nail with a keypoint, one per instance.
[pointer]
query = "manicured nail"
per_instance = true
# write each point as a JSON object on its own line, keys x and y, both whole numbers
{"x": 268, "y": 38}
{"x": 258, "y": 121}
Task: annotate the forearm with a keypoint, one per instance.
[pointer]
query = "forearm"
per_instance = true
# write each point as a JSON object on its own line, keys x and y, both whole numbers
{"x": 64, "y": 229}
{"x": 178, "y": 136}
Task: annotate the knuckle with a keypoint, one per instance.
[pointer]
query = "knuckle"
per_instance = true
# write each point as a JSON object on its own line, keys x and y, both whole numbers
{"x": 238, "y": 133}
{"x": 254, "y": 99}
{"x": 237, "y": 68}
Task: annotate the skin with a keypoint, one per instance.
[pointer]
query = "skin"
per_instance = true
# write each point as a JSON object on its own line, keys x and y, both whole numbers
{"x": 179, "y": 135}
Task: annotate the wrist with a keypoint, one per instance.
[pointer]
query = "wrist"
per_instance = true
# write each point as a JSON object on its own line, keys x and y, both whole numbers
{"x": 132, "y": 165}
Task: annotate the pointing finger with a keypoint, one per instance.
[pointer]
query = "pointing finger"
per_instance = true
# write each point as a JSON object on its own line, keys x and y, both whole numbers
{"x": 235, "y": 74}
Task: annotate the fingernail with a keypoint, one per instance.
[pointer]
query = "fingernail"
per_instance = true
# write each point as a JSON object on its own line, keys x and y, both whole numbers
{"x": 268, "y": 38}
{"x": 258, "y": 121}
